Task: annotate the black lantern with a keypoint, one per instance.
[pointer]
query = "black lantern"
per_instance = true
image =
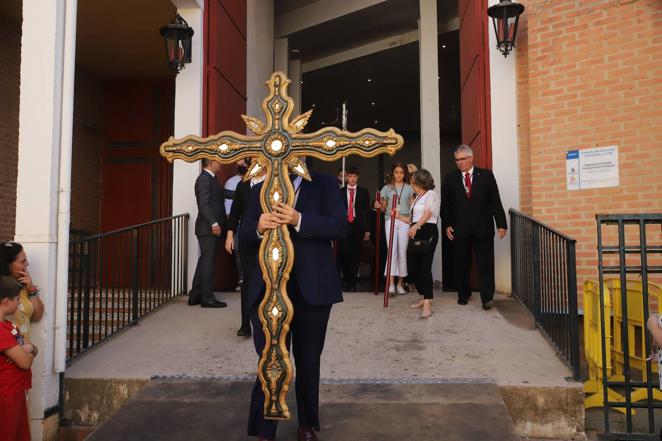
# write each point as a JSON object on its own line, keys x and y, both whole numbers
{"x": 177, "y": 36}
{"x": 505, "y": 17}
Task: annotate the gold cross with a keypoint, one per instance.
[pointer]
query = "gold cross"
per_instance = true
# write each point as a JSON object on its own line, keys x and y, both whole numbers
{"x": 276, "y": 148}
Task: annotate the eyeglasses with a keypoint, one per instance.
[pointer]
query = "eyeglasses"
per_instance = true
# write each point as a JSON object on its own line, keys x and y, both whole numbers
{"x": 462, "y": 159}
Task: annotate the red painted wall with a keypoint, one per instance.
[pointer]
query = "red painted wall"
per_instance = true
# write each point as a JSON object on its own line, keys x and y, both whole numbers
{"x": 475, "y": 83}
{"x": 136, "y": 182}
{"x": 224, "y": 92}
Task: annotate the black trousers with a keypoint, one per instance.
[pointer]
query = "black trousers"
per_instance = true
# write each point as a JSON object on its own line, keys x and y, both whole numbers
{"x": 248, "y": 264}
{"x": 483, "y": 247}
{"x": 307, "y": 334}
{"x": 419, "y": 266}
{"x": 203, "y": 279}
{"x": 350, "y": 254}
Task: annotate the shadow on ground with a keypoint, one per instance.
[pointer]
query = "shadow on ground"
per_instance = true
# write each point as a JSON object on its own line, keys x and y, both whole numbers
{"x": 169, "y": 410}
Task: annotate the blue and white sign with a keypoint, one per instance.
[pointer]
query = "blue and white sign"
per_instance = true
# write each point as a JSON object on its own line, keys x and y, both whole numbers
{"x": 592, "y": 168}
{"x": 572, "y": 169}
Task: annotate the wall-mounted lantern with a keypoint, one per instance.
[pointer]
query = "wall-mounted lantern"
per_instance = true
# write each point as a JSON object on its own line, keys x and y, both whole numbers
{"x": 505, "y": 18}
{"x": 177, "y": 36}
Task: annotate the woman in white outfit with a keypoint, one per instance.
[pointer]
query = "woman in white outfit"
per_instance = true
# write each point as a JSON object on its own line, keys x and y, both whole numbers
{"x": 399, "y": 186}
{"x": 424, "y": 236}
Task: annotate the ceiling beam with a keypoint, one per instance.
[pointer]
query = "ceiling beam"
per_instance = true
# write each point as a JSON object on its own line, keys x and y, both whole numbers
{"x": 449, "y": 25}
{"x": 186, "y": 4}
{"x": 316, "y": 13}
{"x": 361, "y": 51}
{"x": 374, "y": 47}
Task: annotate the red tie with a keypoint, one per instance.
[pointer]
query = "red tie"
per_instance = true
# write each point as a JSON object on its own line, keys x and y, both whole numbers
{"x": 350, "y": 206}
{"x": 467, "y": 184}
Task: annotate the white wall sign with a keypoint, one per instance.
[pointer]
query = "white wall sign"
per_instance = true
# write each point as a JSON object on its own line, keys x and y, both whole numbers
{"x": 592, "y": 168}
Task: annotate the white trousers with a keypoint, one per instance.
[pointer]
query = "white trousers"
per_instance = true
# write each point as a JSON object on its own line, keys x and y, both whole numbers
{"x": 399, "y": 252}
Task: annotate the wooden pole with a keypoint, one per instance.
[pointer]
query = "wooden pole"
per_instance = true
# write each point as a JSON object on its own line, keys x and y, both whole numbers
{"x": 378, "y": 239}
{"x": 389, "y": 246}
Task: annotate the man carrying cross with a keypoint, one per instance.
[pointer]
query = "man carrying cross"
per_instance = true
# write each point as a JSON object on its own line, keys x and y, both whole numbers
{"x": 317, "y": 218}
{"x": 312, "y": 213}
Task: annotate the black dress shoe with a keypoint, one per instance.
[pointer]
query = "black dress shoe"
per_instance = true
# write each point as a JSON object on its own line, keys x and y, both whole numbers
{"x": 244, "y": 332}
{"x": 306, "y": 434}
{"x": 488, "y": 305}
{"x": 193, "y": 301}
{"x": 462, "y": 301}
{"x": 213, "y": 304}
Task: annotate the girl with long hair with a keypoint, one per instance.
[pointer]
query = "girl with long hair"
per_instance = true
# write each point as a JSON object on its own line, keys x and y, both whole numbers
{"x": 398, "y": 185}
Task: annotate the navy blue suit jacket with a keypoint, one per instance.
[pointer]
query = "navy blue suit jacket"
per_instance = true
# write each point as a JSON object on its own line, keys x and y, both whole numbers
{"x": 323, "y": 219}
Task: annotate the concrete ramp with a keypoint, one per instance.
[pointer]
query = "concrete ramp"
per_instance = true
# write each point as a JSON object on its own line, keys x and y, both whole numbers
{"x": 201, "y": 410}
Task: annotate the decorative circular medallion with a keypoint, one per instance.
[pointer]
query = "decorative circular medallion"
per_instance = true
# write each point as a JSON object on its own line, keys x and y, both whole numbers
{"x": 276, "y": 144}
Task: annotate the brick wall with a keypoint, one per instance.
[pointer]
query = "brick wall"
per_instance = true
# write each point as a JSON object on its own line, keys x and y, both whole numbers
{"x": 10, "y": 65}
{"x": 589, "y": 75}
{"x": 88, "y": 140}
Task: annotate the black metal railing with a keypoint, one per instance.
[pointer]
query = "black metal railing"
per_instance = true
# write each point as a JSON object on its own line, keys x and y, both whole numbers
{"x": 115, "y": 278}
{"x": 625, "y": 246}
{"x": 544, "y": 280}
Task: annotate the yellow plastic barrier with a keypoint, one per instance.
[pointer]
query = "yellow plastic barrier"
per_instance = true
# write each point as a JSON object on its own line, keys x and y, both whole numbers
{"x": 593, "y": 388}
{"x": 636, "y": 330}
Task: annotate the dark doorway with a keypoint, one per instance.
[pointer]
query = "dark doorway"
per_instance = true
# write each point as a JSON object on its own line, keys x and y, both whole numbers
{"x": 381, "y": 91}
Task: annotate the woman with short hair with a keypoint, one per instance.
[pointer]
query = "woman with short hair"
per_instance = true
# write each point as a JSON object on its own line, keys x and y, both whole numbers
{"x": 423, "y": 237}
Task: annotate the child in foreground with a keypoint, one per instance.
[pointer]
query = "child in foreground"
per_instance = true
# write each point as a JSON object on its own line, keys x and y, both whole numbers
{"x": 16, "y": 357}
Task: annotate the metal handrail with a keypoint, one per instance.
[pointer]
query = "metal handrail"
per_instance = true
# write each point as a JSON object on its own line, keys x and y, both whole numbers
{"x": 118, "y": 277}
{"x": 132, "y": 227}
{"x": 544, "y": 280}
{"x": 542, "y": 224}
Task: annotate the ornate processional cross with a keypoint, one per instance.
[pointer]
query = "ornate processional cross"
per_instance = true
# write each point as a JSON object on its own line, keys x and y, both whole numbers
{"x": 276, "y": 149}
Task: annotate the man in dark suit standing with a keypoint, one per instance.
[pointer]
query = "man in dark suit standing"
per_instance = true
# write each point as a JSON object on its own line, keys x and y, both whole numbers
{"x": 470, "y": 205}
{"x": 317, "y": 218}
{"x": 357, "y": 204}
{"x": 211, "y": 215}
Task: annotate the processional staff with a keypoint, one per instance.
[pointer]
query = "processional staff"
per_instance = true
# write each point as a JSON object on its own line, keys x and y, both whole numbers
{"x": 389, "y": 248}
{"x": 377, "y": 239}
{"x": 276, "y": 147}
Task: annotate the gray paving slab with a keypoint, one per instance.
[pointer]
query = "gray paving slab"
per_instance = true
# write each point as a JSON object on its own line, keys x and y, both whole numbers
{"x": 364, "y": 342}
{"x": 216, "y": 410}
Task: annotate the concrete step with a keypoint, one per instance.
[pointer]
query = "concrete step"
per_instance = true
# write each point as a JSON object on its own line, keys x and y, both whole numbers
{"x": 174, "y": 410}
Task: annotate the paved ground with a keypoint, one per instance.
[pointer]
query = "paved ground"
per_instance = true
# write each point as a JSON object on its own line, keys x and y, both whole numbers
{"x": 215, "y": 410}
{"x": 364, "y": 341}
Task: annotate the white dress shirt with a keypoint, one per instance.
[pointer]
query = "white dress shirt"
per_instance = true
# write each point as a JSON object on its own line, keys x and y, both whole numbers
{"x": 215, "y": 224}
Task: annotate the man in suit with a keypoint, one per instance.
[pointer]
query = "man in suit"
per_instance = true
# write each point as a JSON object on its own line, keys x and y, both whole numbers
{"x": 317, "y": 218}
{"x": 211, "y": 216}
{"x": 470, "y": 205}
{"x": 357, "y": 204}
